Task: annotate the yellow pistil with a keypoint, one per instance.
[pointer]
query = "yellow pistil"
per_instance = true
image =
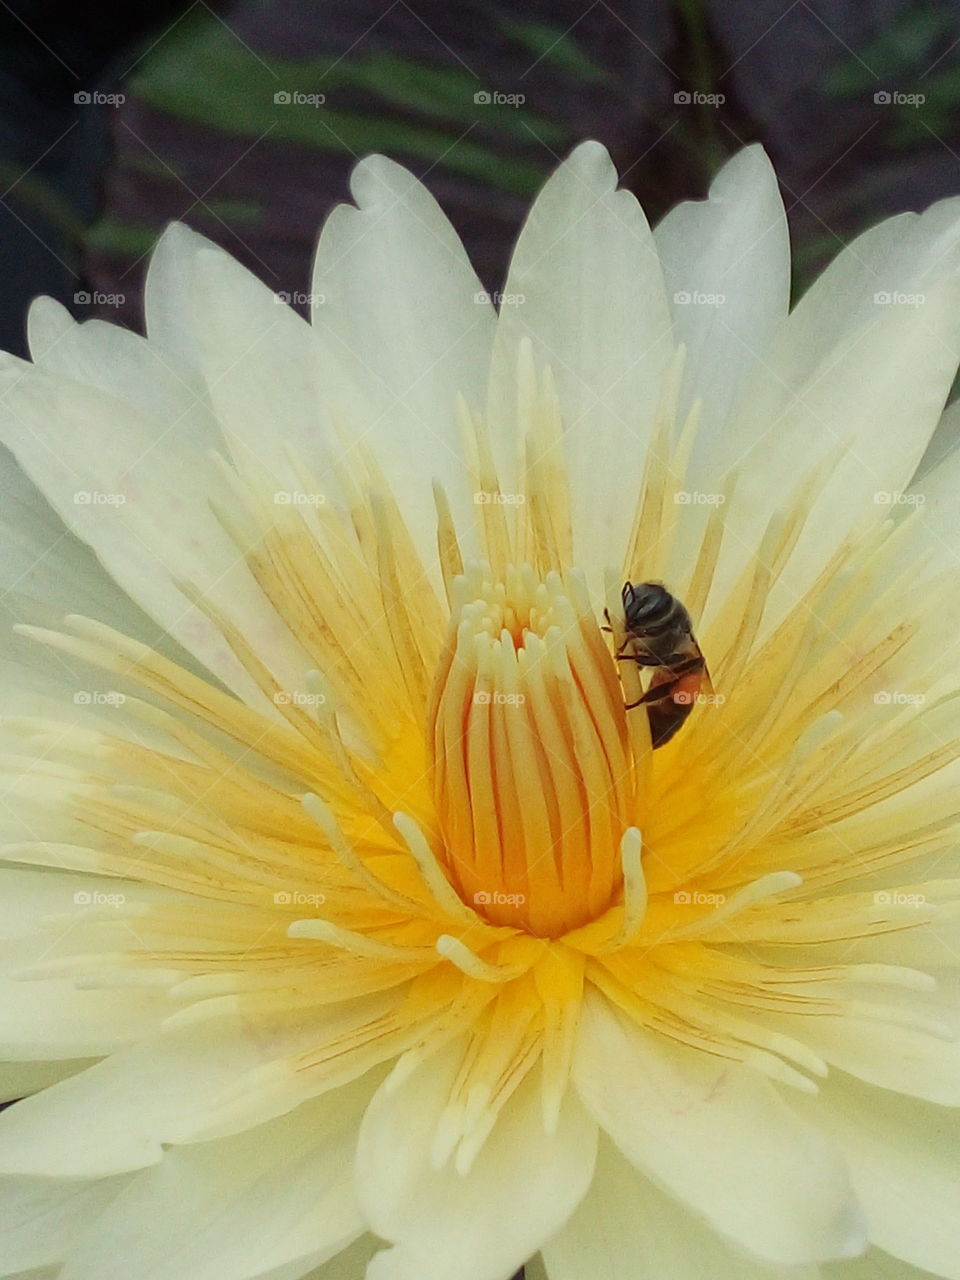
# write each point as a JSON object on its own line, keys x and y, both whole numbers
{"x": 530, "y": 761}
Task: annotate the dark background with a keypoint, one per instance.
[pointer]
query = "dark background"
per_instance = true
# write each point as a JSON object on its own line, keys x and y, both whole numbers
{"x": 113, "y": 121}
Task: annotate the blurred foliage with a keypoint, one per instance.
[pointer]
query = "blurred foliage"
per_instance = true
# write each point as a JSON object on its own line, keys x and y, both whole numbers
{"x": 919, "y": 37}
{"x": 480, "y": 99}
{"x": 202, "y": 74}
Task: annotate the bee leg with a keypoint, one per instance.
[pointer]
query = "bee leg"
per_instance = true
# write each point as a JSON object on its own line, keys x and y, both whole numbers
{"x": 628, "y": 706}
{"x": 659, "y": 693}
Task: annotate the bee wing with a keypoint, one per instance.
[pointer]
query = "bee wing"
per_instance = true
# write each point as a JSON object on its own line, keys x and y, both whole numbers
{"x": 706, "y": 684}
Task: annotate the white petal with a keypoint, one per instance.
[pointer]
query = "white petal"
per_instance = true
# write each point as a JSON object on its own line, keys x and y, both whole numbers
{"x": 169, "y": 297}
{"x": 125, "y": 366}
{"x": 27, "y": 896}
{"x": 136, "y": 487}
{"x": 40, "y": 910}
{"x": 116, "y": 1115}
{"x": 726, "y": 262}
{"x": 52, "y": 1019}
{"x": 594, "y": 308}
{"x": 350, "y": 1264}
{"x": 40, "y": 1218}
{"x": 627, "y": 1228}
{"x": 903, "y": 1158}
{"x": 482, "y": 1225}
{"x": 850, "y": 380}
{"x": 18, "y": 1079}
{"x": 943, "y": 442}
{"x": 401, "y": 309}
{"x": 265, "y": 374}
{"x": 875, "y": 1265}
{"x": 938, "y": 498}
{"x": 720, "y": 1138}
{"x": 241, "y": 1207}
{"x": 44, "y": 564}
{"x": 39, "y": 1273}
{"x": 904, "y": 1059}
{"x": 46, "y": 573}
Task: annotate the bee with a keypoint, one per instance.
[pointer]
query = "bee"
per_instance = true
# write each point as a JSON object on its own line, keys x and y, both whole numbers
{"x": 659, "y": 634}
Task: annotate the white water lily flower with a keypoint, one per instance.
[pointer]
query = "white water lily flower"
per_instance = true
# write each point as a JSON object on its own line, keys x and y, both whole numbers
{"x": 351, "y": 924}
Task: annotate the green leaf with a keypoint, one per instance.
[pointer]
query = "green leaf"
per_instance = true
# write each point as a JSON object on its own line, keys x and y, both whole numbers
{"x": 203, "y": 74}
